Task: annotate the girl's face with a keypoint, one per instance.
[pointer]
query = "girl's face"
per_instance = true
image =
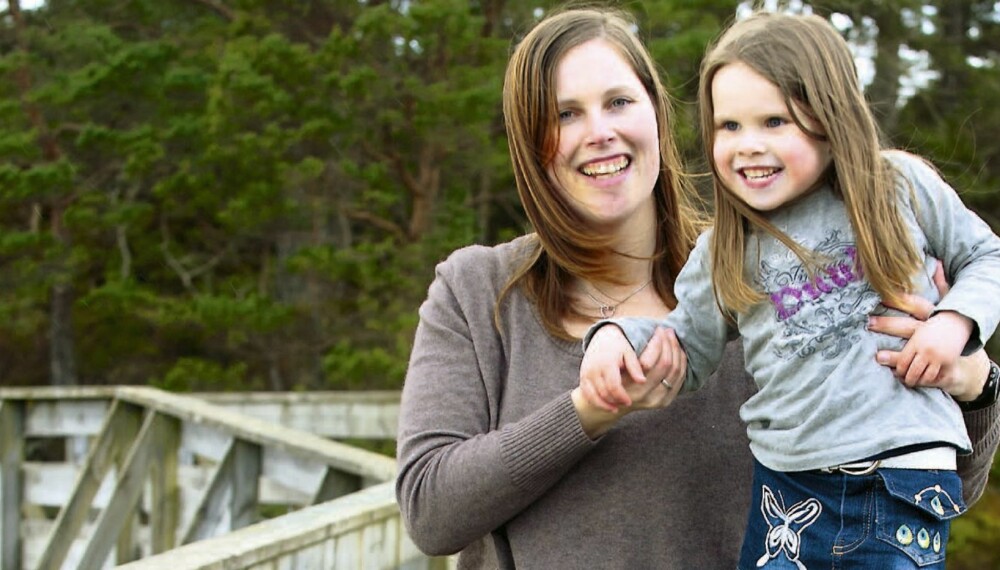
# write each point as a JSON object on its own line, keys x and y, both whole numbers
{"x": 760, "y": 154}
{"x": 608, "y": 157}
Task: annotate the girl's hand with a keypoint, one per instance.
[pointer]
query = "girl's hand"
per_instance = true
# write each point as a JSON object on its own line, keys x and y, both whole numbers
{"x": 662, "y": 358}
{"x": 600, "y": 372}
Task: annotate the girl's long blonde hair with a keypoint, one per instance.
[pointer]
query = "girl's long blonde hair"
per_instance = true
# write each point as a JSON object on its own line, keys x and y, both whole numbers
{"x": 809, "y": 61}
{"x": 565, "y": 244}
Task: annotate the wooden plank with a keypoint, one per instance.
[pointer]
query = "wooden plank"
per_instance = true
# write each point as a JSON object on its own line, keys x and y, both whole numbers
{"x": 164, "y": 492}
{"x": 302, "y": 444}
{"x": 64, "y": 418}
{"x": 230, "y": 501}
{"x": 131, "y": 479}
{"x": 336, "y": 484}
{"x": 11, "y": 482}
{"x": 293, "y": 470}
{"x": 204, "y": 441}
{"x": 281, "y": 537}
{"x": 49, "y": 484}
{"x": 333, "y": 414}
{"x": 110, "y": 446}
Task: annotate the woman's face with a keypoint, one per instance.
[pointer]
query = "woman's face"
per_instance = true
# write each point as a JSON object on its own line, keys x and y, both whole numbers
{"x": 608, "y": 157}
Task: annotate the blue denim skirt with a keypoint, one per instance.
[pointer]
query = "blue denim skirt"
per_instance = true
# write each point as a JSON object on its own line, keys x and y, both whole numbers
{"x": 818, "y": 520}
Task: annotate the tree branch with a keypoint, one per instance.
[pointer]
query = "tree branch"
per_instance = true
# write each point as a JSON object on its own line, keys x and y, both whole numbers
{"x": 219, "y": 8}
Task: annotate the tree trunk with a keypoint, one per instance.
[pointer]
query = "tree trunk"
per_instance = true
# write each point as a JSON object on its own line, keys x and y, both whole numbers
{"x": 62, "y": 361}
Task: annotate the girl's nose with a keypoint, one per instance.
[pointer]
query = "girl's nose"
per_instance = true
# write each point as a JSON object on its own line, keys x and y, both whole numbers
{"x": 750, "y": 142}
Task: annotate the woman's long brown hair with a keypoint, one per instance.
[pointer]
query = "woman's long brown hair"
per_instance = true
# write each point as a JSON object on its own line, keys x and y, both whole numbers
{"x": 565, "y": 245}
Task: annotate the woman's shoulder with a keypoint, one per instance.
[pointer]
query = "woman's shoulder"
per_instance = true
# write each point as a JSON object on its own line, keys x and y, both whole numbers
{"x": 487, "y": 264}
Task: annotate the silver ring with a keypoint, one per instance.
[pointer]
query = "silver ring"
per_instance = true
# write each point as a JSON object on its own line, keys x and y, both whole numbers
{"x": 666, "y": 384}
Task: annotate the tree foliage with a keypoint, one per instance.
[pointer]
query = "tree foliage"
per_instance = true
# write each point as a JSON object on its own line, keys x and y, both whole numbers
{"x": 252, "y": 194}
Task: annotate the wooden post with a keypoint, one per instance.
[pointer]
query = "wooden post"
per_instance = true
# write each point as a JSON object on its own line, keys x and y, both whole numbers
{"x": 11, "y": 482}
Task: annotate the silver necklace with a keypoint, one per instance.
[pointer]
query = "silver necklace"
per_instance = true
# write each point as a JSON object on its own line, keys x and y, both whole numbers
{"x": 608, "y": 311}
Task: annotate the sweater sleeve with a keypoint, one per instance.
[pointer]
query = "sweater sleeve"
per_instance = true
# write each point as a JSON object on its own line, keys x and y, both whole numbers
{"x": 461, "y": 474}
{"x": 965, "y": 244}
{"x": 974, "y": 469}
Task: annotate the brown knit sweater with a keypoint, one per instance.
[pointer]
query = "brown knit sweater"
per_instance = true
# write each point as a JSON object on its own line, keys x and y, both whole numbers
{"x": 490, "y": 445}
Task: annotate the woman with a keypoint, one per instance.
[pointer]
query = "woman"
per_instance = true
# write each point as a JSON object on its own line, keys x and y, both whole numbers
{"x": 494, "y": 437}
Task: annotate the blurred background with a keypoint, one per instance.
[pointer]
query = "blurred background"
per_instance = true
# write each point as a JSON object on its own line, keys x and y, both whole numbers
{"x": 230, "y": 195}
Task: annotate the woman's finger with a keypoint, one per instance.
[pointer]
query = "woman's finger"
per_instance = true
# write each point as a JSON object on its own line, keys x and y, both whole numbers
{"x": 939, "y": 280}
{"x": 654, "y": 349}
{"x": 902, "y": 327}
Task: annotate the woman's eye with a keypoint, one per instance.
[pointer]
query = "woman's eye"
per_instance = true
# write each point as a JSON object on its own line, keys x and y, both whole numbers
{"x": 620, "y": 102}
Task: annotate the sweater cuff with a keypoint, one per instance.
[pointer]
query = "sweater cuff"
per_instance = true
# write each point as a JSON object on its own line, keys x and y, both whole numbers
{"x": 982, "y": 422}
{"x": 544, "y": 445}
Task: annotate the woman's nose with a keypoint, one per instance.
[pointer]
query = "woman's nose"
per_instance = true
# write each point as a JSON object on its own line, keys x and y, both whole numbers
{"x": 600, "y": 129}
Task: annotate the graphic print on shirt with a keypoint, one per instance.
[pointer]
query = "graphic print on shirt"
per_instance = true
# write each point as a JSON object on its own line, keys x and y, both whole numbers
{"x": 825, "y": 313}
{"x": 785, "y": 527}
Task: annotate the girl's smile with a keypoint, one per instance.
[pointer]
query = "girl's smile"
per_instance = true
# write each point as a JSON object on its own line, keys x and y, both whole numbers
{"x": 760, "y": 153}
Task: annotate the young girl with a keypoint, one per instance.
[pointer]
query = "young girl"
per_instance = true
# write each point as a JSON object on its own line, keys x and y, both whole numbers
{"x": 817, "y": 228}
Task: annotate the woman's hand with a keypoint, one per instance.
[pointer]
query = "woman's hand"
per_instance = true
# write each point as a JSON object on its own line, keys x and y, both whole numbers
{"x": 662, "y": 362}
{"x": 964, "y": 379}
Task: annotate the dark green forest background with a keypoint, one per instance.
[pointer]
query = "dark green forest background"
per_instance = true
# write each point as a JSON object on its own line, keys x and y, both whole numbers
{"x": 252, "y": 194}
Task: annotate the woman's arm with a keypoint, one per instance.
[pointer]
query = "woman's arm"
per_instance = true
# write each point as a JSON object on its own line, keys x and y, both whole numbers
{"x": 462, "y": 474}
{"x": 964, "y": 382}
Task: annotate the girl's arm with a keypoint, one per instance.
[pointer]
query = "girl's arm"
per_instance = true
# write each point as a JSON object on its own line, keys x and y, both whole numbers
{"x": 701, "y": 328}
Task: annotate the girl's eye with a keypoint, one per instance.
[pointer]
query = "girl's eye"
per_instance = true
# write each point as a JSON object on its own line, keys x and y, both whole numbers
{"x": 565, "y": 115}
{"x": 775, "y": 122}
{"x": 620, "y": 102}
{"x": 729, "y": 126}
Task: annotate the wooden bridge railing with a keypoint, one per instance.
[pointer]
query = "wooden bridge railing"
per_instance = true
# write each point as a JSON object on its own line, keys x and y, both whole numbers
{"x": 94, "y": 477}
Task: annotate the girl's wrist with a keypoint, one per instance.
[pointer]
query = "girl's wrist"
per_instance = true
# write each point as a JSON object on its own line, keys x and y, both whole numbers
{"x": 594, "y": 421}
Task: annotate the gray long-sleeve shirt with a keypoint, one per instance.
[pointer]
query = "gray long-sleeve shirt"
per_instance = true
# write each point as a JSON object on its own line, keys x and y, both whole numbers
{"x": 822, "y": 398}
{"x": 490, "y": 445}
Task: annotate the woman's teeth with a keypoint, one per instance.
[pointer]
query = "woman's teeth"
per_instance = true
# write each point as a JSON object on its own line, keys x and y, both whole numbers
{"x": 606, "y": 168}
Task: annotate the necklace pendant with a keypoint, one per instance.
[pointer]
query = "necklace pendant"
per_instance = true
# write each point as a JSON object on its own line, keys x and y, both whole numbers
{"x": 607, "y": 311}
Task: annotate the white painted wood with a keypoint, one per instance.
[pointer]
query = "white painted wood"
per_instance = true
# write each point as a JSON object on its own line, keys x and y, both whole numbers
{"x": 231, "y": 498}
{"x": 342, "y": 519}
{"x": 164, "y": 496}
{"x": 295, "y": 468}
{"x": 109, "y": 448}
{"x": 61, "y": 418}
{"x": 11, "y": 483}
{"x": 338, "y": 415}
{"x": 128, "y": 488}
{"x": 51, "y": 484}
{"x": 204, "y": 441}
{"x": 294, "y": 471}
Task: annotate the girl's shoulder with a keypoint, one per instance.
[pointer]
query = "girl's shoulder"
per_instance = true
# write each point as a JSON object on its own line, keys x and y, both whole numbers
{"x": 910, "y": 166}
